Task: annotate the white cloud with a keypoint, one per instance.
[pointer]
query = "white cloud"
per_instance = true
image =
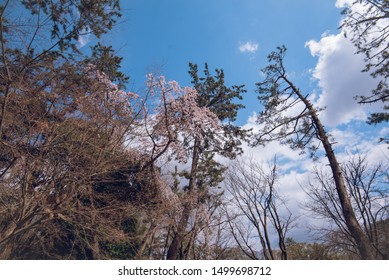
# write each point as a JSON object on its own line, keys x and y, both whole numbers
{"x": 384, "y": 132}
{"x": 338, "y": 72}
{"x": 343, "y": 3}
{"x": 85, "y": 35}
{"x": 83, "y": 40}
{"x": 248, "y": 47}
{"x": 339, "y": 76}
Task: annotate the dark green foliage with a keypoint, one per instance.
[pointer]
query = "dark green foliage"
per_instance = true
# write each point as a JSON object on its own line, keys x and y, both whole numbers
{"x": 279, "y": 97}
{"x": 121, "y": 250}
{"x": 376, "y": 118}
{"x": 209, "y": 175}
{"x": 209, "y": 172}
{"x": 215, "y": 95}
{"x": 72, "y": 19}
{"x": 221, "y": 100}
{"x": 105, "y": 60}
{"x": 206, "y": 172}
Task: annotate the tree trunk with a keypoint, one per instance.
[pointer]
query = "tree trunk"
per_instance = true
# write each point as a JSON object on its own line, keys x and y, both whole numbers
{"x": 364, "y": 247}
{"x": 179, "y": 234}
{"x": 363, "y": 244}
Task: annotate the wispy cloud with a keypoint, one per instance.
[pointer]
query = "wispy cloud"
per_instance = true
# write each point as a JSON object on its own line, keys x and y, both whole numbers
{"x": 83, "y": 40}
{"x": 248, "y": 47}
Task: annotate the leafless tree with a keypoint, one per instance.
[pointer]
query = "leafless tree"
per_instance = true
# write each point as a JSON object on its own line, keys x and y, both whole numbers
{"x": 368, "y": 188}
{"x": 257, "y": 212}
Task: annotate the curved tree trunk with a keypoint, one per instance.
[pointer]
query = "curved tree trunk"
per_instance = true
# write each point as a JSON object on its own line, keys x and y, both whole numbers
{"x": 361, "y": 239}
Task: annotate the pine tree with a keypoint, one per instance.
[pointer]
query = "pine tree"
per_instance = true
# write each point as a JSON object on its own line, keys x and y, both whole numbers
{"x": 220, "y": 100}
{"x": 301, "y": 130}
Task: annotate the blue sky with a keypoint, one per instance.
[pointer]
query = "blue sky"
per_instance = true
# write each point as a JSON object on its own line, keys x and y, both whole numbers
{"x": 236, "y": 36}
{"x": 167, "y": 35}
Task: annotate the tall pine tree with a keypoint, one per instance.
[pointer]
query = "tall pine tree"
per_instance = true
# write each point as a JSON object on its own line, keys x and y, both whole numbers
{"x": 205, "y": 171}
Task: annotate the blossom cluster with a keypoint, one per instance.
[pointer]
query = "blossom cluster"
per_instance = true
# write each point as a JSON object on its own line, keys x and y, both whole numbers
{"x": 178, "y": 119}
{"x": 120, "y": 100}
{"x": 169, "y": 117}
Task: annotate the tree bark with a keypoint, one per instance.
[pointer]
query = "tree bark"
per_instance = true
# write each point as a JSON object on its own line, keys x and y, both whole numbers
{"x": 179, "y": 234}
{"x": 364, "y": 247}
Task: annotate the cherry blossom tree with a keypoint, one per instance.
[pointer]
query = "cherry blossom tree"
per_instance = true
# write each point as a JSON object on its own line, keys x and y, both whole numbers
{"x": 215, "y": 97}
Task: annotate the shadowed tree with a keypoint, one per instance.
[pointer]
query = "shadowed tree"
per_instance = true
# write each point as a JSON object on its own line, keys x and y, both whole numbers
{"x": 57, "y": 131}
